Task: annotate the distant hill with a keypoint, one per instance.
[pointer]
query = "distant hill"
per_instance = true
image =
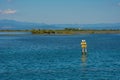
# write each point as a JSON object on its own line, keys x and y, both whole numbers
{"x": 18, "y": 25}
{"x": 91, "y": 26}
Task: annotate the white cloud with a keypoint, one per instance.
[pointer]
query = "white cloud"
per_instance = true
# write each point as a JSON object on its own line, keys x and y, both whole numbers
{"x": 8, "y": 11}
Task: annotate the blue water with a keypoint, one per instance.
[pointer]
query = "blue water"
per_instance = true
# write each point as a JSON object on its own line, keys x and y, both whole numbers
{"x": 58, "y": 57}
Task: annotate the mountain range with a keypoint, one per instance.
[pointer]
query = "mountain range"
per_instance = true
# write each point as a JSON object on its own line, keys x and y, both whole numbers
{"x": 18, "y": 25}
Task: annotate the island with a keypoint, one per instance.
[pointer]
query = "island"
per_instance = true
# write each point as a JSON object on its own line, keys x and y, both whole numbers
{"x": 66, "y": 31}
{"x": 74, "y": 31}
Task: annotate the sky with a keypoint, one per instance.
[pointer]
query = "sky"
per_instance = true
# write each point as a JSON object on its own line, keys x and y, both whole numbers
{"x": 61, "y": 11}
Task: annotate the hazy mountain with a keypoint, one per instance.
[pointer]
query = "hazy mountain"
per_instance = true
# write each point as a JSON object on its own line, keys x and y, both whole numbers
{"x": 16, "y": 25}
{"x": 91, "y": 26}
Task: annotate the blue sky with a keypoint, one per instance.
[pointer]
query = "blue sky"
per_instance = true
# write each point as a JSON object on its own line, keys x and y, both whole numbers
{"x": 61, "y": 11}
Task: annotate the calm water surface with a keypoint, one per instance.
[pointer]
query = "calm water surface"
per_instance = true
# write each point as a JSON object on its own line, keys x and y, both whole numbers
{"x": 58, "y": 57}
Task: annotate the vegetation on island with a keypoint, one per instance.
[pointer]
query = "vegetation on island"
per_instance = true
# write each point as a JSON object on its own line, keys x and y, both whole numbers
{"x": 73, "y": 31}
{"x": 65, "y": 31}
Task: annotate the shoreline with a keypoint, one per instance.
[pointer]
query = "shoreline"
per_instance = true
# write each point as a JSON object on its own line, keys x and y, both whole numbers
{"x": 65, "y": 32}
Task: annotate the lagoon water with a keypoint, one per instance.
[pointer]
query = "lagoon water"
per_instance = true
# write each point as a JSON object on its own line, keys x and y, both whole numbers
{"x": 58, "y": 57}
